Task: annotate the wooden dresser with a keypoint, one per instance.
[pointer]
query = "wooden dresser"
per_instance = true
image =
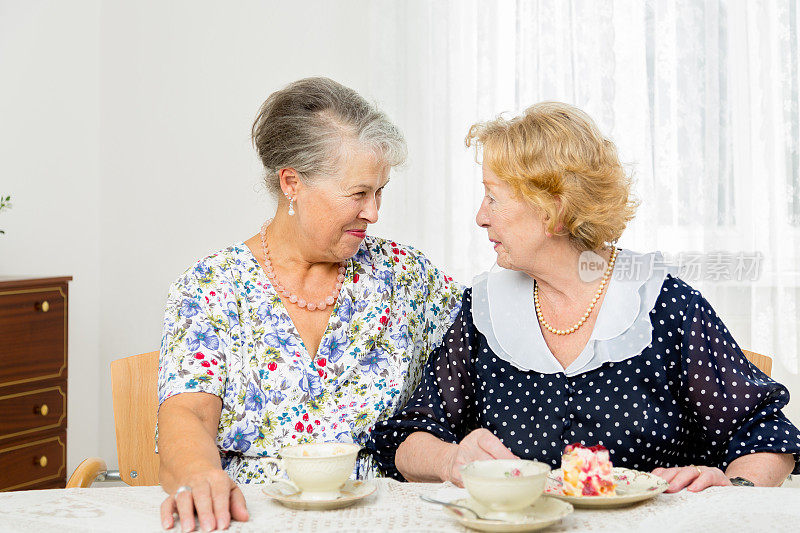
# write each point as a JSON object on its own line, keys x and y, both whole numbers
{"x": 33, "y": 383}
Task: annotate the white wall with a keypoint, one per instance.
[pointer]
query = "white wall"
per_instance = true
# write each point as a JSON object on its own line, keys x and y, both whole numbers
{"x": 49, "y": 163}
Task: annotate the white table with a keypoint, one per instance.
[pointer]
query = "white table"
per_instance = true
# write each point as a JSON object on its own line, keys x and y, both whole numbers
{"x": 396, "y": 507}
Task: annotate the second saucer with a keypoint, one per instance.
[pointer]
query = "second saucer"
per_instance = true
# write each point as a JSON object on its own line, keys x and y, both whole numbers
{"x": 351, "y": 492}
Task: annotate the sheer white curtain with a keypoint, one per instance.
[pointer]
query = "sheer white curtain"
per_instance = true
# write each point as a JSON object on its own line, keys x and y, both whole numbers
{"x": 700, "y": 97}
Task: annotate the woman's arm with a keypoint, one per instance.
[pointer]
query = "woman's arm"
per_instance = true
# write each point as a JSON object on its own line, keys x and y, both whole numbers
{"x": 188, "y": 456}
{"x": 430, "y": 439}
{"x": 444, "y": 405}
{"x": 191, "y": 380}
{"x": 733, "y": 408}
{"x": 187, "y": 433}
{"x": 763, "y": 469}
{"x": 424, "y": 458}
{"x": 421, "y": 458}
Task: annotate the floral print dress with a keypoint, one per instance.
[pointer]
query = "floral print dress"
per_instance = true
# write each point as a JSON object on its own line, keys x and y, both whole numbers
{"x": 227, "y": 333}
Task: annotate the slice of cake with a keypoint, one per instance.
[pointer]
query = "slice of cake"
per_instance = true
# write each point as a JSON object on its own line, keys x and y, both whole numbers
{"x": 587, "y": 471}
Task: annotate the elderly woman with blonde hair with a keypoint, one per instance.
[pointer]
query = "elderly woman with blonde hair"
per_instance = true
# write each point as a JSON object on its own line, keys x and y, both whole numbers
{"x": 544, "y": 354}
{"x": 309, "y": 331}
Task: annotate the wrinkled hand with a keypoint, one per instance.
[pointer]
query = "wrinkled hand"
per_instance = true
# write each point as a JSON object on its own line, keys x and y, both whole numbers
{"x": 214, "y": 496}
{"x": 480, "y": 444}
{"x": 692, "y": 478}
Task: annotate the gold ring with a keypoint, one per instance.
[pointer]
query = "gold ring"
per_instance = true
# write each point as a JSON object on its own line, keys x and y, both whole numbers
{"x": 698, "y": 469}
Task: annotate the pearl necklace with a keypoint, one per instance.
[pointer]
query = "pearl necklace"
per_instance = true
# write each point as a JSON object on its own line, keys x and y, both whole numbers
{"x": 285, "y": 292}
{"x": 588, "y": 312}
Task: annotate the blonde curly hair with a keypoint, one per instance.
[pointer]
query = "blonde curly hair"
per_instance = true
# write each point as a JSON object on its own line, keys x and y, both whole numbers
{"x": 554, "y": 156}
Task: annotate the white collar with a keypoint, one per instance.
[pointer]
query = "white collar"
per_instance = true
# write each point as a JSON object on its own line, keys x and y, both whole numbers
{"x": 503, "y": 311}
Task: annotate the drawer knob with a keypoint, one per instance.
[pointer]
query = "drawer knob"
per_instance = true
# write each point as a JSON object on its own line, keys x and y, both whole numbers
{"x": 43, "y": 307}
{"x": 43, "y": 410}
{"x": 42, "y": 461}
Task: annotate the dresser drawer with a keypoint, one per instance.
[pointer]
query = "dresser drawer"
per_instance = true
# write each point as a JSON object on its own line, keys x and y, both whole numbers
{"x": 31, "y": 411}
{"x": 33, "y": 335}
{"x": 32, "y": 463}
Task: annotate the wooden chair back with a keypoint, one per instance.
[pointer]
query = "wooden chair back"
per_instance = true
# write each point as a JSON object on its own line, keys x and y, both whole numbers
{"x": 762, "y": 362}
{"x": 134, "y": 386}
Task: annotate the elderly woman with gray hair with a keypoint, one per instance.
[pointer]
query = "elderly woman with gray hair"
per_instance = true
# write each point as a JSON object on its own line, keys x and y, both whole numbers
{"x": 309, "y": 331}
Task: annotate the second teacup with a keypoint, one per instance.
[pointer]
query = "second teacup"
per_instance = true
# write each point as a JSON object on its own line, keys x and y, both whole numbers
{"x": 505, "y": 486}
{"x": 316, "y": 470}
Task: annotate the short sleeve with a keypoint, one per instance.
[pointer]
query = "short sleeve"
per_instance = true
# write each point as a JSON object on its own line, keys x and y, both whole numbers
{"x": 195, "y": 343}
{"x": 444, "y": 404}
{"x": 735, "y": 408}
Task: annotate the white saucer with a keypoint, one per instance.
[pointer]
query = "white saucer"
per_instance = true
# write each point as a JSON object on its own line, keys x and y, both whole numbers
{"x": 351, "y": 492}
{"x": 632, "y": 486}
{"x": 544, "y": 512}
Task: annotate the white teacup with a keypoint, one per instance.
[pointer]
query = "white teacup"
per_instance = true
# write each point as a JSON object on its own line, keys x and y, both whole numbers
{"x": 318, "y": 471}
{"x": 505, "y": 486}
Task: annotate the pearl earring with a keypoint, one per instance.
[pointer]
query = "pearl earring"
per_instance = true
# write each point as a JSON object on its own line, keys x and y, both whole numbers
{"x": 291, "y": 204}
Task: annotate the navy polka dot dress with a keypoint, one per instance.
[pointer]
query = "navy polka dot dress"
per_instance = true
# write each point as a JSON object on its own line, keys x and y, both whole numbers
{"x": 691, "y": 397}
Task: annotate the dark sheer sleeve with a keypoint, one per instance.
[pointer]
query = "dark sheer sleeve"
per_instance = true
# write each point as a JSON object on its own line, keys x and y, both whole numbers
{"x": 444, "y": 402}
{"x": 735, "y": 408}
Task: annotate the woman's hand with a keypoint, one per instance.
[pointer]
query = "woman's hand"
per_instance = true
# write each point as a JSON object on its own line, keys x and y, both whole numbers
{"x": 692, "y": 478}
{"x": 190, "y": 468}
{"x": 212, "y": 494}
{"x": 478, "y": 445}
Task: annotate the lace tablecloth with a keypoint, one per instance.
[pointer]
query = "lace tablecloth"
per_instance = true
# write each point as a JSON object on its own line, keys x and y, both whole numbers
{"x": 396, "y": 507}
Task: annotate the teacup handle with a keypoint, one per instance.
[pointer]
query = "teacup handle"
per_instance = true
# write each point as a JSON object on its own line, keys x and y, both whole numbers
{"x": 276, "y": 476}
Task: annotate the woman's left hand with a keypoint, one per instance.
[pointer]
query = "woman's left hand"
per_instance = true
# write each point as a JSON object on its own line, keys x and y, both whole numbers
{"x": 692, "y": 478}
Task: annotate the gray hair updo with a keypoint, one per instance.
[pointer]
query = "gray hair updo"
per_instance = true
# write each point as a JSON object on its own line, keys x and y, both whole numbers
{"x": 310, "y": 124}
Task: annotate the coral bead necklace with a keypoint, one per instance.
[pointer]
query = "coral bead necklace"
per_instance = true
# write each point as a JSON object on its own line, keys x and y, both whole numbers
{"x": 289, "y": 295}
